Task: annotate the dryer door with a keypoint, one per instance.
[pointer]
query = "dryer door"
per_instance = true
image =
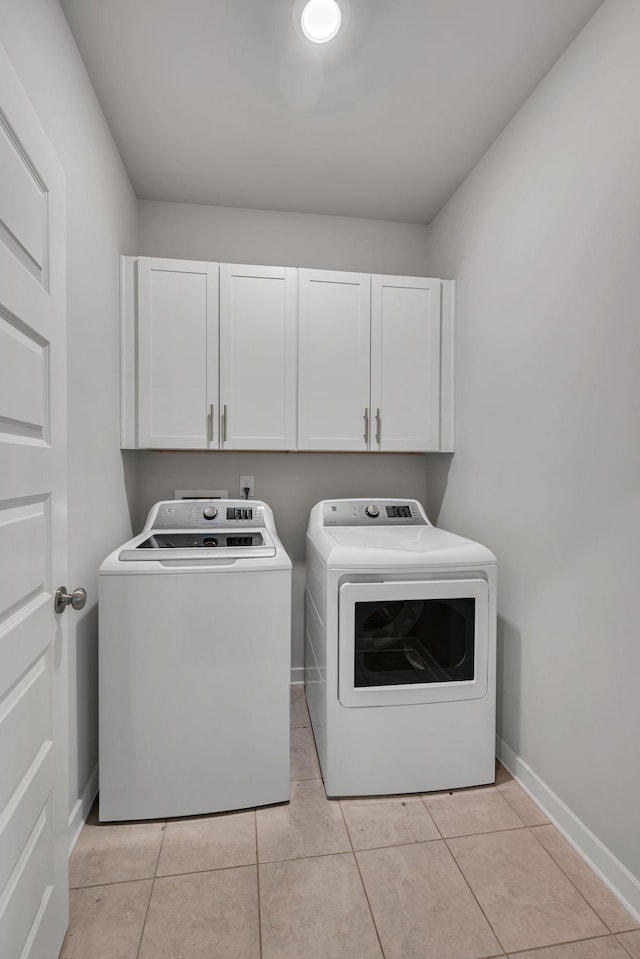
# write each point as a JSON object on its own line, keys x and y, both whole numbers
{"x": 413, "y": 642}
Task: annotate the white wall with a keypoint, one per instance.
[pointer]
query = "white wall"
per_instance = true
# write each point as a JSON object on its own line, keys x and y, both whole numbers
{"x": 234, "y": 235}
{"x": 101, "y": 224}
{"x": 543, "y": 239}
{"x": 290, "y": 482}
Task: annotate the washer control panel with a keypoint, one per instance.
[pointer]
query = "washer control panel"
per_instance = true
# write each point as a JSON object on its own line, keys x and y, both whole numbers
{"x": 356, "y": 512}
{"x": 196, "y": 514}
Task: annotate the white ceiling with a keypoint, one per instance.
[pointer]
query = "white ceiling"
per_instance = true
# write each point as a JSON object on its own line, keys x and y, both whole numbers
{"x": 222, "y": 102}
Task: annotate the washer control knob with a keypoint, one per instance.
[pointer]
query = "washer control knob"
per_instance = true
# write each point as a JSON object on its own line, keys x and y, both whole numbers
{"x": 210, "y": 512}
{"x": 372, "y": 511}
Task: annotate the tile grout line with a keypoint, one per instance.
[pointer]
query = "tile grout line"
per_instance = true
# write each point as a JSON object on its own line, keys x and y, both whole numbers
{"x": 576, "y": 887}
{"x": 546, "y": 822}
{"x": 255, "y": 825}
{"x": 613, "y": 932}
{"x": 441, "y": 837}
{"x": 111, "y": 882}
{"x": 468, "y": 884}
{"x": 617, "y": 938}
{"x": 428, "y": 812}
{"x": 201, "y": 872}
{"x": 364, "y": 888}
{"x": 523, "y": 824}
{"x": 570, "y": 880}
{"x": 153, "y": 883}
{"x": 487, "y": 832}
{"x": 556, "y": 945}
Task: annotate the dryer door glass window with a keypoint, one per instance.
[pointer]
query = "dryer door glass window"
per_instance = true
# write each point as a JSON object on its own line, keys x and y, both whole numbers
{"x": 404, "y": 642}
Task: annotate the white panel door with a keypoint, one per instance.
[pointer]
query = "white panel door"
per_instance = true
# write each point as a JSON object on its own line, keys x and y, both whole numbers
{"x": 258, "y": 352}
{"x": 405, "y": 363}
{"x": 333, "y": 360}
{"x": 177, "y": 354}
{"x": 33, "y": 548}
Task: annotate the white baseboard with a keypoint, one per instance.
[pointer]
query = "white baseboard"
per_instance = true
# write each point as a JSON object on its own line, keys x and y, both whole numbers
{"x": 81, "y": 809}
{"x": 297, "y": 674}
{"x": 614, "y": 874}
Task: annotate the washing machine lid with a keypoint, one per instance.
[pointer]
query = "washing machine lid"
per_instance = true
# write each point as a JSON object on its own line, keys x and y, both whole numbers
{"x": 202, "y": 534}
{"x": 189, "y": 545}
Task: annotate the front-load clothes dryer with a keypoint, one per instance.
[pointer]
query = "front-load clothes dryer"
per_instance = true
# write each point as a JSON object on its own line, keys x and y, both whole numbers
{"x": 194, "y": 663}
{"x": 400, "y": 650}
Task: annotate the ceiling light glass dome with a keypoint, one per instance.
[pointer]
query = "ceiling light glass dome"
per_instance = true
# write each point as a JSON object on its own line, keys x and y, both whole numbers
{"x": 321, "y": 20}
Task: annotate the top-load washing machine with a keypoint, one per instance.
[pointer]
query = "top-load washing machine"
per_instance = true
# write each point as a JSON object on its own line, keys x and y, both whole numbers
{"x": 400, "y": 650}
{"x": 195, "y": 663}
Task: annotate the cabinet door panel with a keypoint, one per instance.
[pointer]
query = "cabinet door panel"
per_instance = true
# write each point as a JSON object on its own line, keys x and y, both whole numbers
{"x": 178, "y": 353}
{"x": 258, "y": 356}
{"x": 334, "y": 354}
{"x": 405, "y": 363}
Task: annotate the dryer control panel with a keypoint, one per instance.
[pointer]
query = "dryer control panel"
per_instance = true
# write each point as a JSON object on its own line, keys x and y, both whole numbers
{"x": 362, "y": 512}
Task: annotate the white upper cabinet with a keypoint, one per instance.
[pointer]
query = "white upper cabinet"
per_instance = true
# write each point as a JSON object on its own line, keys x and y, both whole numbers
{"x": 405, "y": 363}
{"x": 333, "y": 367}
{"x": 258, "y": 332}
{"x": 221, "y": 356}
{"x": 177, "y": 354}
{"x": 370, "y": 368}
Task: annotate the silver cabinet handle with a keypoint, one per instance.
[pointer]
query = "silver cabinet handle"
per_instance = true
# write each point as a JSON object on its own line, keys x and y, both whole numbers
{"x": 211, "y": 422}
{"x": 225, "y": 417}
{"x": 62, "y": 599}
{"x": 378, "y": 427}
{"x": 366, "y": 424}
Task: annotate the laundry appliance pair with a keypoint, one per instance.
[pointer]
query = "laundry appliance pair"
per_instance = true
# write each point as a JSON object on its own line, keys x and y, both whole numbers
{"x": 194, "y": 660}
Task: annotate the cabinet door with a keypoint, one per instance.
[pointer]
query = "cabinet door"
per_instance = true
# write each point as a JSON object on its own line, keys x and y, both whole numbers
{"x": 177, "y": 354}
{"x": 258, "y": 357}
{"x": 333, "y": 360}
{"x": 405, "y": 363}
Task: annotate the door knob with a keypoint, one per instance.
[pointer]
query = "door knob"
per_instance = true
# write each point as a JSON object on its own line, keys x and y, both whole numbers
{"x": 62, "y": 598}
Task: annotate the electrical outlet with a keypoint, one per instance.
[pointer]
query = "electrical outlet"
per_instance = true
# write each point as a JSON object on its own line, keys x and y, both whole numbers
{"x": 244, "y": 482}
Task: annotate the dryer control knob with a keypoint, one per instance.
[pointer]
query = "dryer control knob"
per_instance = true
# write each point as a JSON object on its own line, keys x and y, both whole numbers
{"x": 210, "y": 512}
{"x": 372, "y": 511}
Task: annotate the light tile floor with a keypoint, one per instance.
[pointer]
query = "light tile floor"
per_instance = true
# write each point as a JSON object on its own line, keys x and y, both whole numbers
{"x": 457, "y": 875}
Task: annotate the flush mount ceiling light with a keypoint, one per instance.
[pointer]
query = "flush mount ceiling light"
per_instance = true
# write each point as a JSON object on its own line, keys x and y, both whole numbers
{"x": 321, "y": 20}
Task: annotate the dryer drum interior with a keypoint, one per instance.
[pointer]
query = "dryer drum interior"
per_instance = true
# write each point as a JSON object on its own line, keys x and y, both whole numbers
{"x": 405, "y": 642}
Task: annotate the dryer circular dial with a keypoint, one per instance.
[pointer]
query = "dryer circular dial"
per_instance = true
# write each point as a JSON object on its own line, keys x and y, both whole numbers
{"x": 372, "y": 511}
{"x": 210, "y": 512}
